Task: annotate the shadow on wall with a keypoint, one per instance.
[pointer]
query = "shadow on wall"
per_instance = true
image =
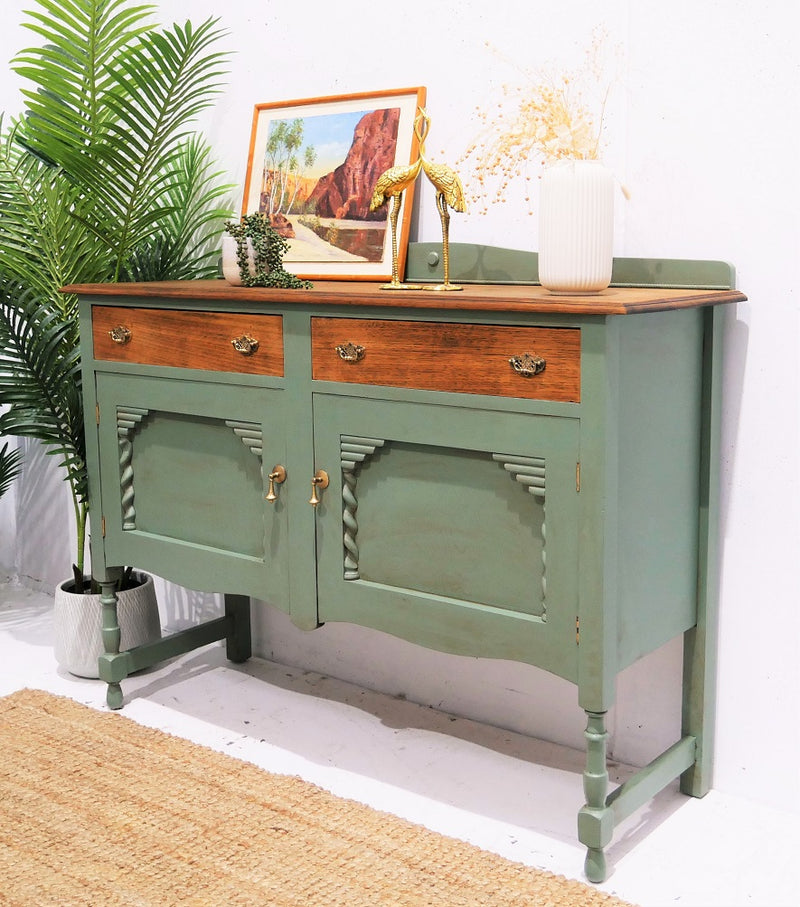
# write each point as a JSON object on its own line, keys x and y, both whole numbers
{"x": 737, "y": 336}
{"x": 45, "y": 532}
{"x": 181, "y": 608}
{"x": 26, "y": 615}
{"x": 41, "y": 544}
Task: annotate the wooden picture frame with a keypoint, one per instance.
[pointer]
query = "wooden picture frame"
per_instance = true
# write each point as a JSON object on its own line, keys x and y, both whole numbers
{"x": 313, "y": 165}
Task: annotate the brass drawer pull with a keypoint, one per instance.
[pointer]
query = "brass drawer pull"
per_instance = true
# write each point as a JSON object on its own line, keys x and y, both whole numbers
{"x": 276, "y": 477}
{"x": 527, "y": 365}
{"x": 245, "y": 345}
{"x": 350, "y": 352}
{"x": 120, "y": 334}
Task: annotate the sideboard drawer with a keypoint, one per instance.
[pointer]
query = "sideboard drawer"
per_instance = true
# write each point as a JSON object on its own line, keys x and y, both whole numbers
{"x": 461, "y": 358}
{"x": 201, "y": 340}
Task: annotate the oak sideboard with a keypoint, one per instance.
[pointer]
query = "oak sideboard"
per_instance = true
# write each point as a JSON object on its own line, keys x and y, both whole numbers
{"x": 499, "y": 472}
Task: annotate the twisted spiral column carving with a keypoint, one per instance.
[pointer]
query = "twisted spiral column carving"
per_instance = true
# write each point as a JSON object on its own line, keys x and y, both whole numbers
{"x": 354, "y": 451}
{"x": 128, "y": 419}
{"x": 530, "y": 472}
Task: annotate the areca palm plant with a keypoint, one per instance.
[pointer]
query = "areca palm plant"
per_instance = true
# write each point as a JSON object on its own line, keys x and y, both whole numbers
{"x": 101, "y": 179}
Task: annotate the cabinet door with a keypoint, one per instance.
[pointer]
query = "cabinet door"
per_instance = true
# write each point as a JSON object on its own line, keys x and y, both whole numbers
{"x": 184, "y": 475}
{"x": 453, "y": 528}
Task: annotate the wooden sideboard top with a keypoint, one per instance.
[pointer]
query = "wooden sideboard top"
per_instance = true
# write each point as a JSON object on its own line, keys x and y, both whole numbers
{"x": 476, "y": 297}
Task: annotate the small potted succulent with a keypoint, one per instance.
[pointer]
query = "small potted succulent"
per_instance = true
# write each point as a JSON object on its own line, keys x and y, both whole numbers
{"x": 252, "y": 254}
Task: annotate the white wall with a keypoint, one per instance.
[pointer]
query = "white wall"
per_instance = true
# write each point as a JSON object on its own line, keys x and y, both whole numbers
{"x": 703, "y": 129}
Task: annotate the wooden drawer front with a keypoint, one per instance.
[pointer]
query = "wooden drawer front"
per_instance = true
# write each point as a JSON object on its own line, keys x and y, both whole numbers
{"x": 463, "y": 358}
{"x": 202, "y": 340}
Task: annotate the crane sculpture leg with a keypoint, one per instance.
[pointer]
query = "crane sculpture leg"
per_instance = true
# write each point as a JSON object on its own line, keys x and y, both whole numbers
{"x": 394, "y": 211}
{"x": 444, "y": 216}
{"x": 395, "y": 283}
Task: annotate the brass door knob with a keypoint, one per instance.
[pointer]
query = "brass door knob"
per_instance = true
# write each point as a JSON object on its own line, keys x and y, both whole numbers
{"x": 318, "y": 482}
{"x": 276, "y": 477}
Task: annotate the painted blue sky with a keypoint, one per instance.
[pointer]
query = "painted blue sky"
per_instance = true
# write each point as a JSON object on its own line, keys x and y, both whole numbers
{"x": 331, "y": 135}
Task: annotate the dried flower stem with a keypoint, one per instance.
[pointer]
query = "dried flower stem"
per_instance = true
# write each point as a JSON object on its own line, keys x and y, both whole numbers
{"x": 551, "y": 118}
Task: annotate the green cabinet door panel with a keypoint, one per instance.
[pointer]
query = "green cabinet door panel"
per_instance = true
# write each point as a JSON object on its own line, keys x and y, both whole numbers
{"x": 453, "y": 528}
{"x": 185, "y": 497}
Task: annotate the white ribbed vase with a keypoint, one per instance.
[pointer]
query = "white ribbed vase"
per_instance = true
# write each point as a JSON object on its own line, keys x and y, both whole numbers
{"x": 576, "y": 227}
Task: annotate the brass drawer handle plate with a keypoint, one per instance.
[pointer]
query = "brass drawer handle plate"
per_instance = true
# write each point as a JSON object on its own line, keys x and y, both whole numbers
{"x": 319, "y": 482}
{"x": 245, "y": 345}
{"x": 120, "y": 334}
{"x": 276, "y": 477}
{"x": 350, "y": 352}
{"x": 527, "y": 365}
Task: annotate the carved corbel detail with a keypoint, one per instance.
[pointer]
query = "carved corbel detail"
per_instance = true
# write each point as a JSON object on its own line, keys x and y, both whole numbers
{"x": 530, "y": 473}
{"x": 250, "y": 434}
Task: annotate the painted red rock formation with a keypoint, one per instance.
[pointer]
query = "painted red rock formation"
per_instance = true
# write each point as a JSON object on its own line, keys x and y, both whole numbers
{"x": 347, "y": 191}
{"x": 281, "y": 225}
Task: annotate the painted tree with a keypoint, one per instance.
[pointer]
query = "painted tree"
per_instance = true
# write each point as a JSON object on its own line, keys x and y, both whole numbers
{"x": 309, "y": 159}
{"x": 282, "y": 165}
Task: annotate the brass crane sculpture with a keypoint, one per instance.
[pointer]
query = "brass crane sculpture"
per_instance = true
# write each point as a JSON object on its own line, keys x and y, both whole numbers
{"x": 449, "y": 194}
{"x": 391, "y": 184}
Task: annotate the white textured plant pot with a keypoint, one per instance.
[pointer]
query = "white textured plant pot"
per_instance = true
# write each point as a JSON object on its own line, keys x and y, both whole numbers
{"x": 78, "y": 625}
{"x": 230, "y": 261}
{"x": 576, "y": 227}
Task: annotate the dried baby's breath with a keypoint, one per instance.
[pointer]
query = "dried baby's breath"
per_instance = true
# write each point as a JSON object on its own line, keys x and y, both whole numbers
{"x": 547, "y": 118}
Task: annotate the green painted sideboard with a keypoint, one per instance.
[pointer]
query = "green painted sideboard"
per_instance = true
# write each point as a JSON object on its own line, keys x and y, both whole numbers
{"x": 498, "y": 472}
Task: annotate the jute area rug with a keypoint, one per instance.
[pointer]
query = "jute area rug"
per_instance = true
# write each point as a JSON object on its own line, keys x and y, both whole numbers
{"x": 98, "y": 810}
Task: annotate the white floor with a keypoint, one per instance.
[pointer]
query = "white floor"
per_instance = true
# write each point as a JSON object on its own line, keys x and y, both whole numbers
{"x": 503, "y": 792}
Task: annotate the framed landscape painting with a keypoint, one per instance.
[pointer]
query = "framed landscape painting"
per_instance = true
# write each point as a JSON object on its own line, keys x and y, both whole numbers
{"x": 312, "y": 168}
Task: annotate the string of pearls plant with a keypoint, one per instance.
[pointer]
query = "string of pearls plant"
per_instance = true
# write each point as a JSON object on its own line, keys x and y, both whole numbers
{"x": 269, "y": 247}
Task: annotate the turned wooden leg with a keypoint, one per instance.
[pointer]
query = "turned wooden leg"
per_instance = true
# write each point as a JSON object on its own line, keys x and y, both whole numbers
{"x": 595, "y": 820}
{"x": 111, "y": 637}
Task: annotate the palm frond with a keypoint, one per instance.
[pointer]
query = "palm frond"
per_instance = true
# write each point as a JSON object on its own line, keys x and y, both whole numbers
{"x": 70, "y": 74}
{"x": 40, "y": 380}
{"x": 172, "y": 76}
{"x": 44, "y": 232}
{"x": 10, "y": 465}
{"x": 113, "y": 106}
{"x": 187, "y": 243}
